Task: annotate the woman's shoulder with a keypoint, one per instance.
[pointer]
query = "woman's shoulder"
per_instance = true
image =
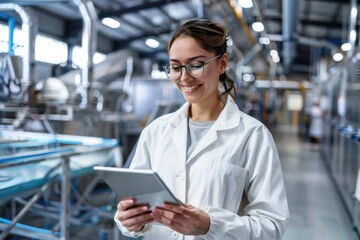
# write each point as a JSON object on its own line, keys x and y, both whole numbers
{"x": 250, "y": 122}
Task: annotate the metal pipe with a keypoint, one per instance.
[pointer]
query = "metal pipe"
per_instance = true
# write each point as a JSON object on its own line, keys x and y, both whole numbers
{"x": 88, "y": 43}
{"x": 199, "y": 5}
{"x": 352, "y": 26}
{"x": 29, "y": 27}
{"x": 12, "y": 25}
{"x": 65, "y": 199}
{"x": 290, "y": 15}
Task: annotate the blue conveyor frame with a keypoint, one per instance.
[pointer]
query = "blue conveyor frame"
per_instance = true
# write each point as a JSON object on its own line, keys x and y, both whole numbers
{"x": 62, "y": 171}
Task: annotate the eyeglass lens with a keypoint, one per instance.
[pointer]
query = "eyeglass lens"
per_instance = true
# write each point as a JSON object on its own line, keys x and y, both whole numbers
{"x": 194, "y": 69}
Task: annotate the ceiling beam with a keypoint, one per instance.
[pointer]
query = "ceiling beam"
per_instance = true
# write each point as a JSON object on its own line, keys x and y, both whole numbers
{"x": 148, "y": 5}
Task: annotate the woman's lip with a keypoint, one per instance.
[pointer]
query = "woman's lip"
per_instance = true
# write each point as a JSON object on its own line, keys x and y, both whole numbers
{"x": 190, "y": 88}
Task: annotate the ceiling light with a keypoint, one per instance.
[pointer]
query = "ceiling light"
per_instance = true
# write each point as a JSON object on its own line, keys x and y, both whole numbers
{"x": 346, "y": 47}
{"x": 276, "y": 59}
{"x": 338, "y": 57}
{"x": 264, "y": 40}
{"x": 274, "y": 53}
{"x": 152, "y": 43}
{"x": 110, "y": 22}
{"x": 247, "y": 77}
{"x": 258, "y": 26}
{"x": 245, "y": 3}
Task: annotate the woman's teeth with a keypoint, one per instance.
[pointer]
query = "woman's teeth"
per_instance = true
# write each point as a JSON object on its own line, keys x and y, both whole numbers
{"x": 190, "y": 88}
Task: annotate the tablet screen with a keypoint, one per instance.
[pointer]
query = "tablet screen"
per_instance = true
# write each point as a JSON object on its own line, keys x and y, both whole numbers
{"x": 143, "y": 185}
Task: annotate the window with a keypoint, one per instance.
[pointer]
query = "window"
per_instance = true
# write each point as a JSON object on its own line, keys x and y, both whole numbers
{"x": 47, "y": 49}
{"x": 79, "y": 60}
{"x": 50, "y": 50}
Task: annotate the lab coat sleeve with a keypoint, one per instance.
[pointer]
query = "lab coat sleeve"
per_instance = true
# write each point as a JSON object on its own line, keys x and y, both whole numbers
{"x": 141, "y": 160}
{"x": 266, "y": 212}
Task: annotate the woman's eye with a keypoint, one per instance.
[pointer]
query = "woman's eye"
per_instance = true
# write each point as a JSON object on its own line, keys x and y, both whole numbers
{"x": 195, "y": 66}
{"x": 175, "y": 68}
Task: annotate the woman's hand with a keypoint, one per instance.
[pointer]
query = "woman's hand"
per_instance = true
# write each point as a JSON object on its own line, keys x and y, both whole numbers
{"x": 185, "y": 219}
{"x": 133, "y": 217}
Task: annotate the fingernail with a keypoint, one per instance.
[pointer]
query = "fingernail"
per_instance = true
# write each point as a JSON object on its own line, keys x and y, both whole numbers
{"x": 145, "y": 208}
{"x": 154, "y": 212}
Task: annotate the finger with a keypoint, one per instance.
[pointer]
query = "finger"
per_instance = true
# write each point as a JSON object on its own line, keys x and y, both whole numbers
{"x": 137, "y": 223}
{"x": 184, "y": 209}
{"x": 168, "y": 217}
{"x": 132, "y": 212}
{"x": 159, "y": 216}
{"x": 125, "y": 204}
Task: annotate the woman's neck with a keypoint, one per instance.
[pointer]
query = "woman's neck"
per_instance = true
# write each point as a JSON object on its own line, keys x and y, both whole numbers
{"x": 206, "y": 112}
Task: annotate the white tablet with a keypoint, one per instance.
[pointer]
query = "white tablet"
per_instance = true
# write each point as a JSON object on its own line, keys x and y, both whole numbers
{"x": 143, "y": 185}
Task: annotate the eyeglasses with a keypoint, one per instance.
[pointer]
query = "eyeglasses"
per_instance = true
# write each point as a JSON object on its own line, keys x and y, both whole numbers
{"x": 194, "y": 69}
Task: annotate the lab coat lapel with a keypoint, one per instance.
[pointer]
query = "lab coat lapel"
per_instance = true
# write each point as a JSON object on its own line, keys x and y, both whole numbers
{"x": 208, "y": 139}
{"x": 228, "y": 118}
{"x": 179, "y": 139}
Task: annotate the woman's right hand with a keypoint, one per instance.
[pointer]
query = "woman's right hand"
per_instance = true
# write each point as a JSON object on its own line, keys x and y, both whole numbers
{"x": 133, "y": 217}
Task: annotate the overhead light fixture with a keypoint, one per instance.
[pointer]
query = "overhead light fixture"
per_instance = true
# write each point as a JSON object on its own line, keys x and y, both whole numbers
{"x": 245, "y": 3}
{"x": 264, "y": 40}
{"x": 258, "y": 26}
{"x": 338, "y": 57}
{"x": 150, "y": 42}
{"x": 247, "y": 77}
{"x": 276, "y": 59}
{"x": 274, "y": 53}
{"x": 346, "y": 47}
{"x": 110, "y": 22}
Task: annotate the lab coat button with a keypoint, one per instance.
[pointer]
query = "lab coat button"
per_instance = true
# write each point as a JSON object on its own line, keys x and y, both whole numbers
{"x": 174, "y": 235}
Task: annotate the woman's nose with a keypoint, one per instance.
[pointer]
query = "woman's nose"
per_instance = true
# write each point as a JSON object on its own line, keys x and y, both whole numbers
{"x": 185, "y": 76}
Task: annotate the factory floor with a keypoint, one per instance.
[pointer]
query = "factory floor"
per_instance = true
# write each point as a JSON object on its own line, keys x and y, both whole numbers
{"x": 316, "y": 209}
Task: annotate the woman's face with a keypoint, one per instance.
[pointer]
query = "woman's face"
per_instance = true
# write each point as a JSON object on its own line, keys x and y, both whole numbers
{"x": 185, "y": 50}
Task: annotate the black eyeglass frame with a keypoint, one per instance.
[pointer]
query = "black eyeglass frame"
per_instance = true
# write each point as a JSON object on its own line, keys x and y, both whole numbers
{"x": 186, "y": 66}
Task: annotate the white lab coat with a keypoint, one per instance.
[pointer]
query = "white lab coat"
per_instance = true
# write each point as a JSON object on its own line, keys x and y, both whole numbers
{"x": 316, "y": 122}
{"x": 234, "y": 174}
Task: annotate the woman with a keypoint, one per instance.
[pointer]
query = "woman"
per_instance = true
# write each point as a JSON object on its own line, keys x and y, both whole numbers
{"x": 219, "y": 162}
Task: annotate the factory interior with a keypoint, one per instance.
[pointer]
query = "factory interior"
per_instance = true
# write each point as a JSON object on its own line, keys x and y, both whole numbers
{"x": 80, "y": 80}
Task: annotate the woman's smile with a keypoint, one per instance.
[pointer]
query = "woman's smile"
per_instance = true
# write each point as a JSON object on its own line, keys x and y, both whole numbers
{"x": 190, "y": 88}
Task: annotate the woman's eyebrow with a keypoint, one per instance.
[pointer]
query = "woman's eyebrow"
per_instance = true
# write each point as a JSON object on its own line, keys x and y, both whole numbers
{"x": 189, "y": 59}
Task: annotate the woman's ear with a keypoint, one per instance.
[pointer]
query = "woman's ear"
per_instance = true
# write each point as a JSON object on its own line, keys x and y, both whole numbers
{"x": 223, "y": 63}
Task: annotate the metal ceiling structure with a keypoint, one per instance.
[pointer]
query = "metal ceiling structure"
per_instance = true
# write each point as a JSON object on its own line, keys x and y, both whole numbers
{"x": 303, "y": 31}
{"x": 306, "y": 31}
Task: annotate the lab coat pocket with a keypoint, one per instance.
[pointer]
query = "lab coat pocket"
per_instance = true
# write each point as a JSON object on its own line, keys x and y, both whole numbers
{"x": 228, "y": 180}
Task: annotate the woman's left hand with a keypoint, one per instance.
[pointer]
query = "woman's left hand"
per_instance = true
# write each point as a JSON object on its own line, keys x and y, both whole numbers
{"x": 184, "y": 218}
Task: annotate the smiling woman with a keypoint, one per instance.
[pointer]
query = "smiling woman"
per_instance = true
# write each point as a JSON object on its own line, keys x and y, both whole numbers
{"x": 217, "y": 161}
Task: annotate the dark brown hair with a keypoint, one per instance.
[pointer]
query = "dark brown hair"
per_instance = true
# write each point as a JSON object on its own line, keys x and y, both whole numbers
{"x": 212, "y": 37}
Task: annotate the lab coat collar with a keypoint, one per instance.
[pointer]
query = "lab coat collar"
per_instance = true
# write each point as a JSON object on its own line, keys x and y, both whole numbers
{"x": 228, "y": 118}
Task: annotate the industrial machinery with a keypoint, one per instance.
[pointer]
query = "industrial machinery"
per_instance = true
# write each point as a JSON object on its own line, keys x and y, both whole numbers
{"x": 341, "y": 140}
{"x": 54, "y": 130}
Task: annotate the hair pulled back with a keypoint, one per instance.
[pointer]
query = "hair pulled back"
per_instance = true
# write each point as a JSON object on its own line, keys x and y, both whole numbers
{"x": 212, "y": 37}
